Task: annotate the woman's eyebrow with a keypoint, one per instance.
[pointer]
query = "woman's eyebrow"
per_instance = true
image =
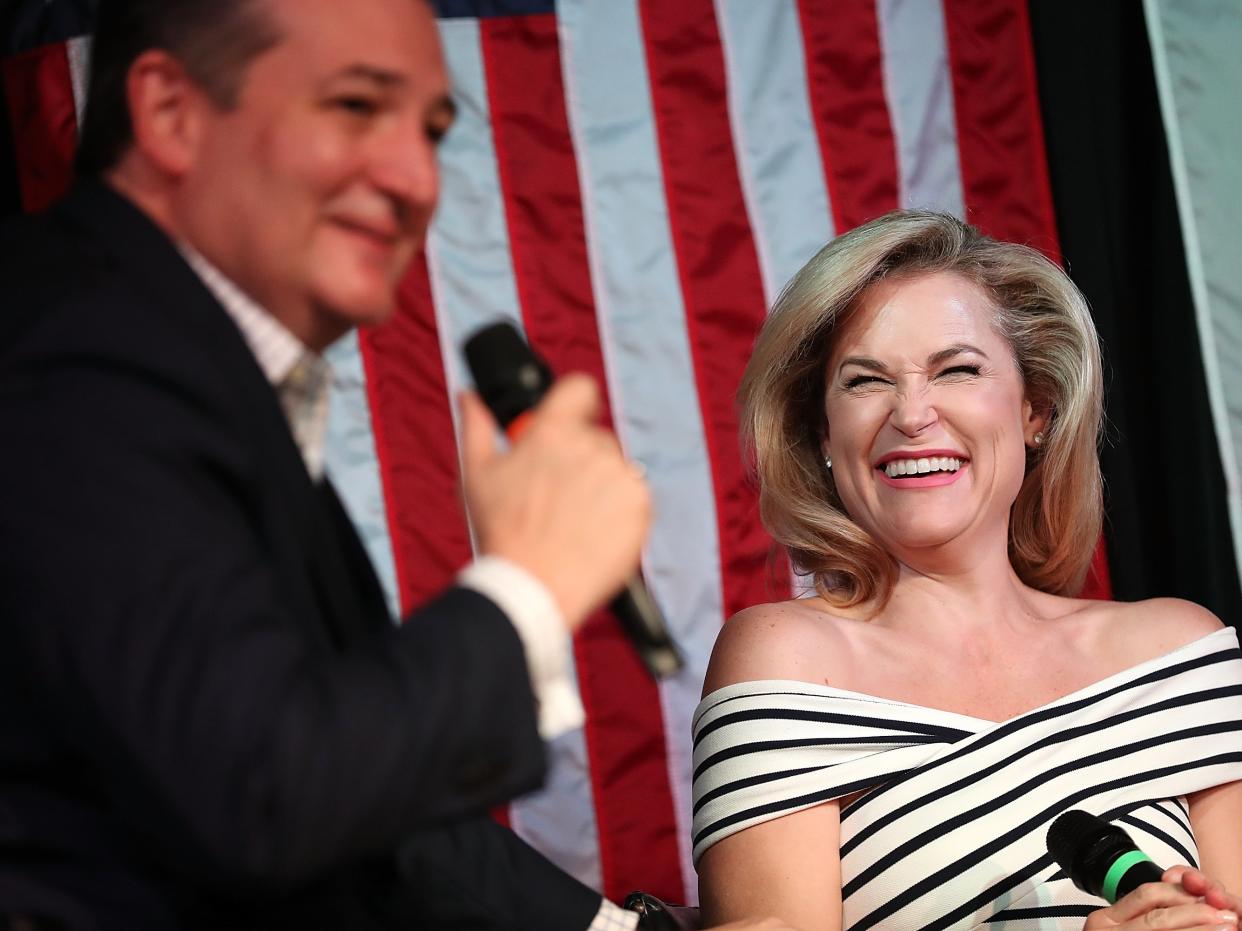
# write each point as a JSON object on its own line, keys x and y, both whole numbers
{"x": 949, "y": 352}
{"x": 863, "y": 362}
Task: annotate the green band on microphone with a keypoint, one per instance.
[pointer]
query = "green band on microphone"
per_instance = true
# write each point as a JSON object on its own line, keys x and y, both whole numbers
{"x": 1119, "y": 868}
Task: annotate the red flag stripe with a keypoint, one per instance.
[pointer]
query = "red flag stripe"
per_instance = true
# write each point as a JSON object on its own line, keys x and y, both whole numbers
{"x": 414, "y": 443}
{"x": 1099, "y": 582}
{"x": 539, "y": 178}
{"x": 718, "y": 267}
{"x": 845, "y": 81}
{"x": 1000, "y": 133}
{"x": 39, "y": 89}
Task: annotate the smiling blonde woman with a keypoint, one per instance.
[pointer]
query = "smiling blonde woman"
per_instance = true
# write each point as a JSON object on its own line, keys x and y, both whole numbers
{"x": 924, "y": 405}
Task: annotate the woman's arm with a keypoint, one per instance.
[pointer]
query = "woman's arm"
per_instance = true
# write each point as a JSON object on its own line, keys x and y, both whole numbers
{"x": 1216, "y": 816}
{"x": 789, "y": 867}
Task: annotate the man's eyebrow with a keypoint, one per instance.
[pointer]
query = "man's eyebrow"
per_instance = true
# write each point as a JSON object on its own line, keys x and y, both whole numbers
{"x": 443, "y": 106}
{"x": 381, "y": 76}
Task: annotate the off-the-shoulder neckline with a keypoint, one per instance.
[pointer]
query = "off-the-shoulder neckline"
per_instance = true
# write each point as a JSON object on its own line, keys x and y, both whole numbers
{"x": 797, "y": 685}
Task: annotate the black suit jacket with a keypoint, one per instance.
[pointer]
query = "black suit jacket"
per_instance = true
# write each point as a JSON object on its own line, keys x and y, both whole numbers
{"x": 206, "y": 718}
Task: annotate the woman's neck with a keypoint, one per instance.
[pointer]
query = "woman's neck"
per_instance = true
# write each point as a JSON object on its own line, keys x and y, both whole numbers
{"x": 979, "y": 598}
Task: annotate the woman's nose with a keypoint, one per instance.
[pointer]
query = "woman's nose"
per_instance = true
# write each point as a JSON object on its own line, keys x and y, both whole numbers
{"x": 913, "y": 412}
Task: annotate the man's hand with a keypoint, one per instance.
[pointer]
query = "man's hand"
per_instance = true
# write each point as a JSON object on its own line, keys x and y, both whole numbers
{"x": 766, "y": 924}
{"x": 562, "y": 503}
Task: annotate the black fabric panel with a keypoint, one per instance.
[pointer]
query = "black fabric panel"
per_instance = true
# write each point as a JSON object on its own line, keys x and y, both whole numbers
{"x": 10, "y": 191}
{"x": 1168, "y": 529}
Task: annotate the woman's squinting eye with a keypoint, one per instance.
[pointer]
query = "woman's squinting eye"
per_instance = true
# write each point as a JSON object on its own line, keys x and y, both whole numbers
{"x": 859, "y": 380}
{"x": 961, "y": 370}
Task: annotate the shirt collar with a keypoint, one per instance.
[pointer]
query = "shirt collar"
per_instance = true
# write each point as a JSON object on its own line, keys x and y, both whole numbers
{"x": 304, "y": 397}
{"x": 275, "y": 348}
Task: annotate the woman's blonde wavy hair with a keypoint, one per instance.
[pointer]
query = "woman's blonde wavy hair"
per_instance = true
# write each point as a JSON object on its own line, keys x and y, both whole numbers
{"x": 1056, "y": 519}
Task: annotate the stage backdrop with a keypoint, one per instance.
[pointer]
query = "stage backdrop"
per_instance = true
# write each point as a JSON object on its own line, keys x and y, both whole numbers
{"x": 631, "y": 182}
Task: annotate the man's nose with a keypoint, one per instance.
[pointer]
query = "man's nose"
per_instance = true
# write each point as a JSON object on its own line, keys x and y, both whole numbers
{"x": 404, "y": 167}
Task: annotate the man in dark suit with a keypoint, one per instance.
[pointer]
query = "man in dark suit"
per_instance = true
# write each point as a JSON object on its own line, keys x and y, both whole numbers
{"x": 206, "y": 719}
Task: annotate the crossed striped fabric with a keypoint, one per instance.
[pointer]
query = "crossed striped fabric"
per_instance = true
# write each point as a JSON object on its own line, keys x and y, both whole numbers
{"x": 951, "y": 833}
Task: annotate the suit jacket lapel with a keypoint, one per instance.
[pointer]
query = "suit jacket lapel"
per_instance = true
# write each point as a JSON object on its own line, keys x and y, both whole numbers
{"x": 347, "y": 568}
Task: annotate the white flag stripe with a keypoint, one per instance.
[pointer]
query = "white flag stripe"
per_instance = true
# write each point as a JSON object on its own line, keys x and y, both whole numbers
{"x": 469, "y": 265}
{"x": 919, "y": 88}
{"x": 353, "y": 466}
{"x": 559, "y": 819}
{"x": 778, "y": 153}
{"x": 470, "y": 261}
{"x": 647, "y": 354}
{"x": 472, "y": 277}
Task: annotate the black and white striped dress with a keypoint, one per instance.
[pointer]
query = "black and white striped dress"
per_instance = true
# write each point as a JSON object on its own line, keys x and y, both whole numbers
{"x": 951, "y": 833}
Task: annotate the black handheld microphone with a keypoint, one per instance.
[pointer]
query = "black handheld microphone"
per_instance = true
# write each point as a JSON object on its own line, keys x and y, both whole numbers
{"x": 1100, "y": 857}
{"x": 511, "y": 379}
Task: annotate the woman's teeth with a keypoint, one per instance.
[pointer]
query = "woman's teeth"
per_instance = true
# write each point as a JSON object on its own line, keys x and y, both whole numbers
{"x": 898, "y": 467}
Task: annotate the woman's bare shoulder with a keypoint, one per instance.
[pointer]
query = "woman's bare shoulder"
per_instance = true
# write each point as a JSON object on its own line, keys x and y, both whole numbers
{"x": 784, "y": 640}
{"x": 1143, "y": 630}
{"x": 1174, "y": 620}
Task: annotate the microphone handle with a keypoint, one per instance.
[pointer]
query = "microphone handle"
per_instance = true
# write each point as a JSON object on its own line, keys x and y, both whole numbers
{"x": 643, "y": 623}
{"x": 1127, "y": 873}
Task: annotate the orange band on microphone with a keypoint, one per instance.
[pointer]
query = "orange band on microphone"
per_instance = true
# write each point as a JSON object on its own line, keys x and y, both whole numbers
{"x": 519, "y": 425}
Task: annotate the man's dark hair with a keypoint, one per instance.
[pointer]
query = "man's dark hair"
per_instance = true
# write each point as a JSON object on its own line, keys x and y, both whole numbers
{"x": 214, "y": 39}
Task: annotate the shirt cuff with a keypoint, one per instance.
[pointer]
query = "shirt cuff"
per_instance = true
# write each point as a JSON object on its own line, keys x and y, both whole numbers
{"x": 535, "y": 616}
{"x": 612, "y": 917}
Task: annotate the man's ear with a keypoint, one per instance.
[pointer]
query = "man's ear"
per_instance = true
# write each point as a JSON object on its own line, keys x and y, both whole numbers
{"x": 167, "y": 111}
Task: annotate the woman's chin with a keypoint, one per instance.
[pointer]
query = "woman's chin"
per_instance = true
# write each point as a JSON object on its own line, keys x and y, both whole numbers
{"x": 921, "y": 535}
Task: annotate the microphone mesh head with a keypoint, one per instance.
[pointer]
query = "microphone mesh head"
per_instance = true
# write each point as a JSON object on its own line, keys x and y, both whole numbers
{"x": 508, "y": 375}
{"x": 1070, "y": 831}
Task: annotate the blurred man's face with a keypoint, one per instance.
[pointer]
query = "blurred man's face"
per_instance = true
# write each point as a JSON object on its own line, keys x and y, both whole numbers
{"x": 316, "y": 190}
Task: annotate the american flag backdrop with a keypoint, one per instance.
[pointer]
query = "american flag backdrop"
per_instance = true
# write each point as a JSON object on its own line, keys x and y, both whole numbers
{"x": 632, "y": 181}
